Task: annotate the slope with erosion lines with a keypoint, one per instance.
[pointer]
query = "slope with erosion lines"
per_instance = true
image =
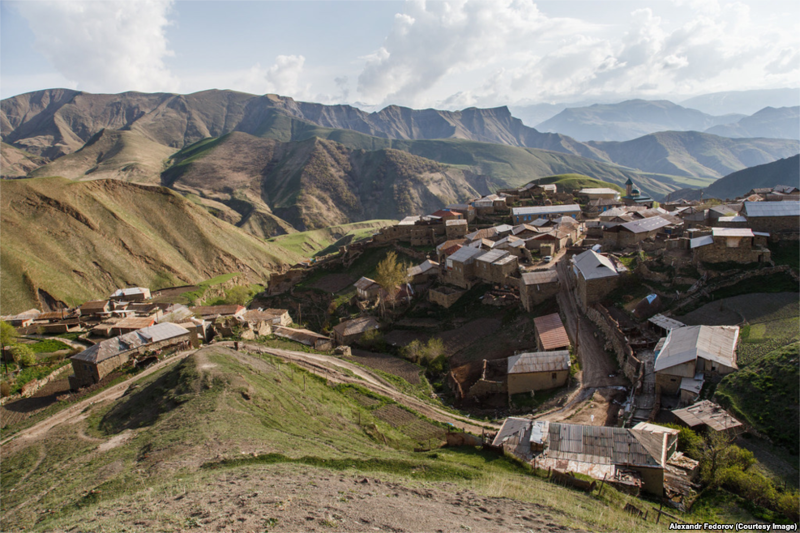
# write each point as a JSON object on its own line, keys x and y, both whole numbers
{"x": 316, "y": 183}
{"x": 780, "y": 172}
{"x": 79, "y": 241}
{"x": 55, "y": 122}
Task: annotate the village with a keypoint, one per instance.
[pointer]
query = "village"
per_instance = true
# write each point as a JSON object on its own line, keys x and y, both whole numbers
{"x": 554, "y": 313}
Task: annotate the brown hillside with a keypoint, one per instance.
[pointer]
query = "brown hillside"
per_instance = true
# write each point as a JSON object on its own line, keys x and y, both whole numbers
{"x": 79, "y": 240}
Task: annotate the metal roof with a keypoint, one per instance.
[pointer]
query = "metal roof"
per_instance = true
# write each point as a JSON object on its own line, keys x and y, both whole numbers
{"x": 503, "y": 228}
{"x": 303, "y": 336}
{"x": 492, "y": 256}
{"x": 732, "y": 232}
{"x": 737, "y": 218}
{"x": 665, "y": 322}
{"x": 772, "y": 209}
{"x": 217, "y": 310}
{"x": 694, "y": 384}
{"x": 697, "y": 242}
{"x": 135, "y": 322}
{"x": 512, "y": 427}
{"x": 646, "y": 224}
{"x": 423, "y": 267}
{"x": 546, "y": 209}
{"x": 113, "y": 347}
{"x": 364, "y": 283}
{"x": 525, "y": 363}
{"x": 551, "y": 331}
{"x": 356, "y": 325}
{"x": 455, "y": 222}
{"x": 594, "y": 266}
{"x": 409, "y": 220}
{"x": 128, "y": 291}
{"x": 712, "y": 343}
{"x": 596, "y": 444}
{"x": 598, "y": 190}
{"x": 466, "y": 255}
{"x": 540, "y": 277}
{"x": 706, "y": 413}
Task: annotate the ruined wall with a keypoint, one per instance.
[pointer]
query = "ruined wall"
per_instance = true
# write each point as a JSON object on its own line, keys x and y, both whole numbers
{"x": 536, "y": 381}
{"x": 445, "y": 298}
{"x": 615, "y": 339}
{"x": 482, "y": 387}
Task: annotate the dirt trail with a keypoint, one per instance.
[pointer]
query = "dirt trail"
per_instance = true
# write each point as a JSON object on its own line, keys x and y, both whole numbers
{"x": 110, "y": 394}
{"x": 328, "y": 366}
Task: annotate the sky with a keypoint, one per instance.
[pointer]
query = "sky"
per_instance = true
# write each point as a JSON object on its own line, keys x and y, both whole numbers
{"x": 447, "y": 54}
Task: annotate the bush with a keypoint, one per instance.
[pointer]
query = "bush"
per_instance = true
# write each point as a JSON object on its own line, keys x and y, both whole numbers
{"x": 5, "y": 389}
{"x": 373, "y": 340}
{"x": 23, "y": 355}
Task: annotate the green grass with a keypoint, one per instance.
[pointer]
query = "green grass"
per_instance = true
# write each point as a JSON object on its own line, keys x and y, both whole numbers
{"x": 765, "y": 395}
{"x": 33, "y": 373}
{"x": 772, "y": 283}
{"x": 570, "y": 181}
{"x": 786, "y": 254}
{"x": 318, "y": 243}
{"x": 48, "y": 346}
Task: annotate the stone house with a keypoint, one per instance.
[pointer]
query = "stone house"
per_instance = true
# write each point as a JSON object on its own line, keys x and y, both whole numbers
{"x": 448, "y": 248}
{"x": 594, "y": 208}
{"x": 456, "y": 229}
{"x": 132, "y": 323}
{"x": 350, "y": 331}
{"x": 556, "y": 238}
{"x": 694, "y": 352}
{"x": 447, "y": 214}
{"x": 303, "y": 336}
{"x": 424, "y": 272}
{"x": 495, "y": 266}
{"x": 95, "y": 308}
{"x": 460, "y": 267}
{"x": 131, "y": 294}
{"x": 445, "y": 296}
{"x": 597, "y": 451}
{"x": 428, "y": 231}
{"x": 550, "y": 333}
{"x": 214, "y": 311}
{"x": 737, "y": 245}
{"x": 533, "y": 371}
{"x": 96, "y": 362}
{"x": 538, "y": 286}
{"x": 465, "y": 209}
{"x": 521, "y": 215}
{"x": 367, "y": 289}
{"x": 596, "y": 275}
{"x": 780, "y": 219}
{"x": 631, "y": 233}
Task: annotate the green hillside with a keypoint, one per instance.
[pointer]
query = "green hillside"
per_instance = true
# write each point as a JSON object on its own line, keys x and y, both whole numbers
{"x": 765, "y": 395}
{"x": 579, "y": 181}
{"x": 780, "y": 172}
{"x": 324, "y": 241}
{"x": 76, "y": 241}
{"x": 227, "y": 439}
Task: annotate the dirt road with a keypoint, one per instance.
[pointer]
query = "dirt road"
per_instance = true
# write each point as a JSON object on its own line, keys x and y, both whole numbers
{"x": 110, "y": 394}
{"x": 332, "y": 368}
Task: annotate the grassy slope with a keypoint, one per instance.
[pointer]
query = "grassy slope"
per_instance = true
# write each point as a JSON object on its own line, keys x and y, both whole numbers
{"x": 79, "y": 241}
{"x": 218, "y": 409}
{"x": 781, "y": 172}
{"x": 327, "y": 240}
{"x": 579, "y": 181}
{"x": 125, "y": 155}
{"x": 765, "y": 395}
{"x": 15, "y": 162}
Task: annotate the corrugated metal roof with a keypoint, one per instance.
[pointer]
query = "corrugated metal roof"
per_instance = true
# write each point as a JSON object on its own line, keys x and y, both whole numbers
{"x": 130, "y": 291}
{"x": 712, "y": 343}
{"x": 303, "y": 336}
{"x": 772, "y": 209}
{"x": 456, "y": 222}
{"x": 596, "y": 444}
{"x": 546, "y": 209}
{"x": 466, "y": 255}
{"x": 666, "y": 322}
{"x": 365, "y": 284}
{"x": 217, "y": 310}
{"x": 737, "y": 218}
{"x": 409, "y": 220}
{"x": 540, "y": 277}
{"x": 422, "y": 268}
{"x": 731, "y": 232}
{"x": 594, "y": 266}
{"x": 492, "y": 256}
{"x": 113, "y": 347}
{"x": 512, "y": 427}
{"x": 598, "y": 190}
{"x": 697, "y": 242}
{"x": 551, "y": 331}
{"x": 525, "y": 363}
{"x": 692, "y": 384}
{"x": 646, "y": 224}
{"x": 133, "y": 322}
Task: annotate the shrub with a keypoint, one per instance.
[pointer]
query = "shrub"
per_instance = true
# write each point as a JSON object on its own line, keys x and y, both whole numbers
{"x": 5, "y": 389}
{"x": 23, "y": 355}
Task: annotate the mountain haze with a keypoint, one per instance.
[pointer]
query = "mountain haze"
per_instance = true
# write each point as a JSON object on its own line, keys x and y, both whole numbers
{"x": 630, "y": 119}
{"x": 780, "y": 172}
{"x": 780, "y": 123}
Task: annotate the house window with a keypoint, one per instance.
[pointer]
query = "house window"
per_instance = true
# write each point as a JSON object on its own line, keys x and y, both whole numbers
{"x": 554, "y": 375}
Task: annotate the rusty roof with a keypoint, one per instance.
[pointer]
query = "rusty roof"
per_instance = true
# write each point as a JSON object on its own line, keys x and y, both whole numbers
{"x": 135, "y": 322}
{"x": 217, "y": 310}
{"x": 551, "y": 332}
{"x": 707, "y": 413}
{"x": 525, "y": 363}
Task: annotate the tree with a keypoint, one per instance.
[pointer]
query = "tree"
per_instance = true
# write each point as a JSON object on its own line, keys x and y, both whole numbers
{"x": 238, "y": 294}
{"x": 390, "y": 274}
{"x": 8, "y": 335}
{"x": 23, "y": 355}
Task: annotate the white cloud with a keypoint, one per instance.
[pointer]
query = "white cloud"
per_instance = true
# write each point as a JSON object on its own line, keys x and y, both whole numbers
{"x": 105, "y": 46}
{"x": 282, "y": 78}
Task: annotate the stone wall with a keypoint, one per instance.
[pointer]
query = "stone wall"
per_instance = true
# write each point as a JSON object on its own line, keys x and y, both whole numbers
{"x": 779, "y": 228}
{"x": 445, "y": 296}
{"x": 719, "y": 252}
{"x": 32, "y": 387}
{"x": 616, "y": 341}
{"x": 483, "y": 387}
{"x": 532, "y": 295}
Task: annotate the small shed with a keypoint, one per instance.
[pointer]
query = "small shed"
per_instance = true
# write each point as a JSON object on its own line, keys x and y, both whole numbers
{"x": 550, "y": 333}
{"x": 367, "y": 289}
{"x": 707, "y": 414}
{"x": 350, "y": 331}
{"x": 534, "y": 371}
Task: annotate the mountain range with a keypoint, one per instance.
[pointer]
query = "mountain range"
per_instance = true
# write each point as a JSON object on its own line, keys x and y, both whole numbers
{"x": 780, "y": 172}
{"x": 631, "y": 119}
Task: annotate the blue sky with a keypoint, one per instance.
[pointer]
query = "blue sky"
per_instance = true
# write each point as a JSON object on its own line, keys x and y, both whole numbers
{"x": 449, "y": 53}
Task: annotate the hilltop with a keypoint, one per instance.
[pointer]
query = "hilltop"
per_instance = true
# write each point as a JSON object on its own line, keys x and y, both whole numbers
{"x": 224, "y": 438}
{"x": 781, "y": 172}
{"x": 55, "y": 122}
{"x": 75, "y": 241}
{"x": 579, "y": 181}
{"x": 780, "y": 123}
